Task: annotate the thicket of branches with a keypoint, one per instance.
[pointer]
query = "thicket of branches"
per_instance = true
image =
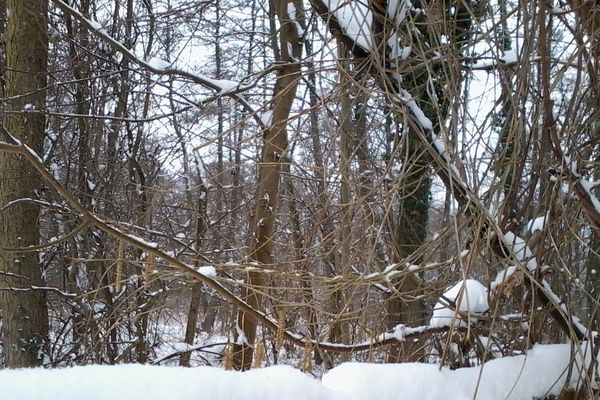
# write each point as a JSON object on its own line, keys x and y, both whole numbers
{"x": 283, "y": 180}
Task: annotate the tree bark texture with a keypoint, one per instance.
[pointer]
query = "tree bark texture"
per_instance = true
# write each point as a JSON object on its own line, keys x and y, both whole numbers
{"x": 25, "y": 318}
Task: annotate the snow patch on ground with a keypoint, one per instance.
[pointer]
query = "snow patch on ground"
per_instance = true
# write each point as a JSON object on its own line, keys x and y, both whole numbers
{"x": 541, "y": 372}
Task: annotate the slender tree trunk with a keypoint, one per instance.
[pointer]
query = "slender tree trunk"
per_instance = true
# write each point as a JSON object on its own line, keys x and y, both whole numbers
{"x": 25, "y": 326}
{"x": 273, "y": 155}
{"x": 3, "y": 17}
{"x": 195, "y": 302}
{"x": 341, "y": 326}
{"x": 410, "y": 229}
{"x": 202, "y": 222}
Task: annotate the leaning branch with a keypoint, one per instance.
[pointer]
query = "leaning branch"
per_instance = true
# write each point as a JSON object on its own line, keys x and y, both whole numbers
{"x": 400, "y": 333}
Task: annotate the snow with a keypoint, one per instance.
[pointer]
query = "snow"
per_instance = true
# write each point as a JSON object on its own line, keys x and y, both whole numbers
{"x": 159, "y": 64}
{"x": 400, "y": 332}
{"x": 396, "y": 9}
{"x": 208, "y": 270}
{"x": 225, "y": 85}
{"x": 397, "y": 50}
{"x": 405, "y": 52}
{"x": 509, "y": 57}
{"x": 143, "y": 241}
{"x": 572, "y": 165}
{"x": 559, "y": 304}
{"x": 520, "y": 250}
{"x": 355, "y": 18}
{"x": 29, "y": 107}
{"x": 587, "y": 187}
{"x": 471, "y": 298}
{"x": 541, "y": 372}
{"x": 537, "y": 224}
{"x": 440, "y": 146}
{"x": 126, "y": 382}
{"x": 96, "y": 25}
{"x": 503, "y": 276}
{"x": 267, "y": 118}
{"x": 423, "y": 121}
{"x": 182, "y": 347}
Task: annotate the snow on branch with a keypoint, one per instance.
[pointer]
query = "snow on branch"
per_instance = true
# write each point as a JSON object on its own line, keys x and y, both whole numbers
{"x": 581, "y": 186}
{"x": 161, "y": 67}
{"x": 337, "y": 27}
{"x": 355, "y": 19}
{"x": 468, "y": 298}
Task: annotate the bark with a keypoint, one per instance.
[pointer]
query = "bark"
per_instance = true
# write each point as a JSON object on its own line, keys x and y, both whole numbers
{"x": 414, "y": 185}
{"x": 272, "y": 157}
{"x": 323, "y": 217}
{"x": 195, "y": 302}
{"x": 3, "y": 17}
{"x": 341, "y": 326}
{"x": 410, "y": 231}
{"x": 413, "y": 193}
{"x": 25, "y": 312}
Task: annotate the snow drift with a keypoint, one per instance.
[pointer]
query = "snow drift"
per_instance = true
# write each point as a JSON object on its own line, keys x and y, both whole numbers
{"x": 545, "y": 370}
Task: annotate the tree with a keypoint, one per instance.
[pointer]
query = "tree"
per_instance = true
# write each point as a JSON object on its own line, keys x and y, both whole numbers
{"x": 22, "y": 298}
{"x": 273, "y": 155}
{"x": 350, "y": 169}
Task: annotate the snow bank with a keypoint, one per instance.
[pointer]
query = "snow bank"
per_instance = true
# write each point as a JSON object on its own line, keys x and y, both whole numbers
{"x": 543, "y": 371}
{"x": 128, "y": 382}
{"x": 354, "y": 381}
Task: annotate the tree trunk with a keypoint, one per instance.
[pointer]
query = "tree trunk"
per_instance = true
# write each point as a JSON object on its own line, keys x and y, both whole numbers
{"x": 341, "y": 326}
{"x": 273, "y": 155}
{"x": 25, "y": 311}
{"x": 192, "y": 321}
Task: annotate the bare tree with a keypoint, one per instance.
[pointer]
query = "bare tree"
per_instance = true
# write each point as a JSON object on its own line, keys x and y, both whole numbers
{"x": 274, "y": 154}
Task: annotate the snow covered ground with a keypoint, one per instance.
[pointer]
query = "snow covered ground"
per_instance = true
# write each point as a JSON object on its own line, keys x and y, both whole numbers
{"x": 544, "y": 370}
